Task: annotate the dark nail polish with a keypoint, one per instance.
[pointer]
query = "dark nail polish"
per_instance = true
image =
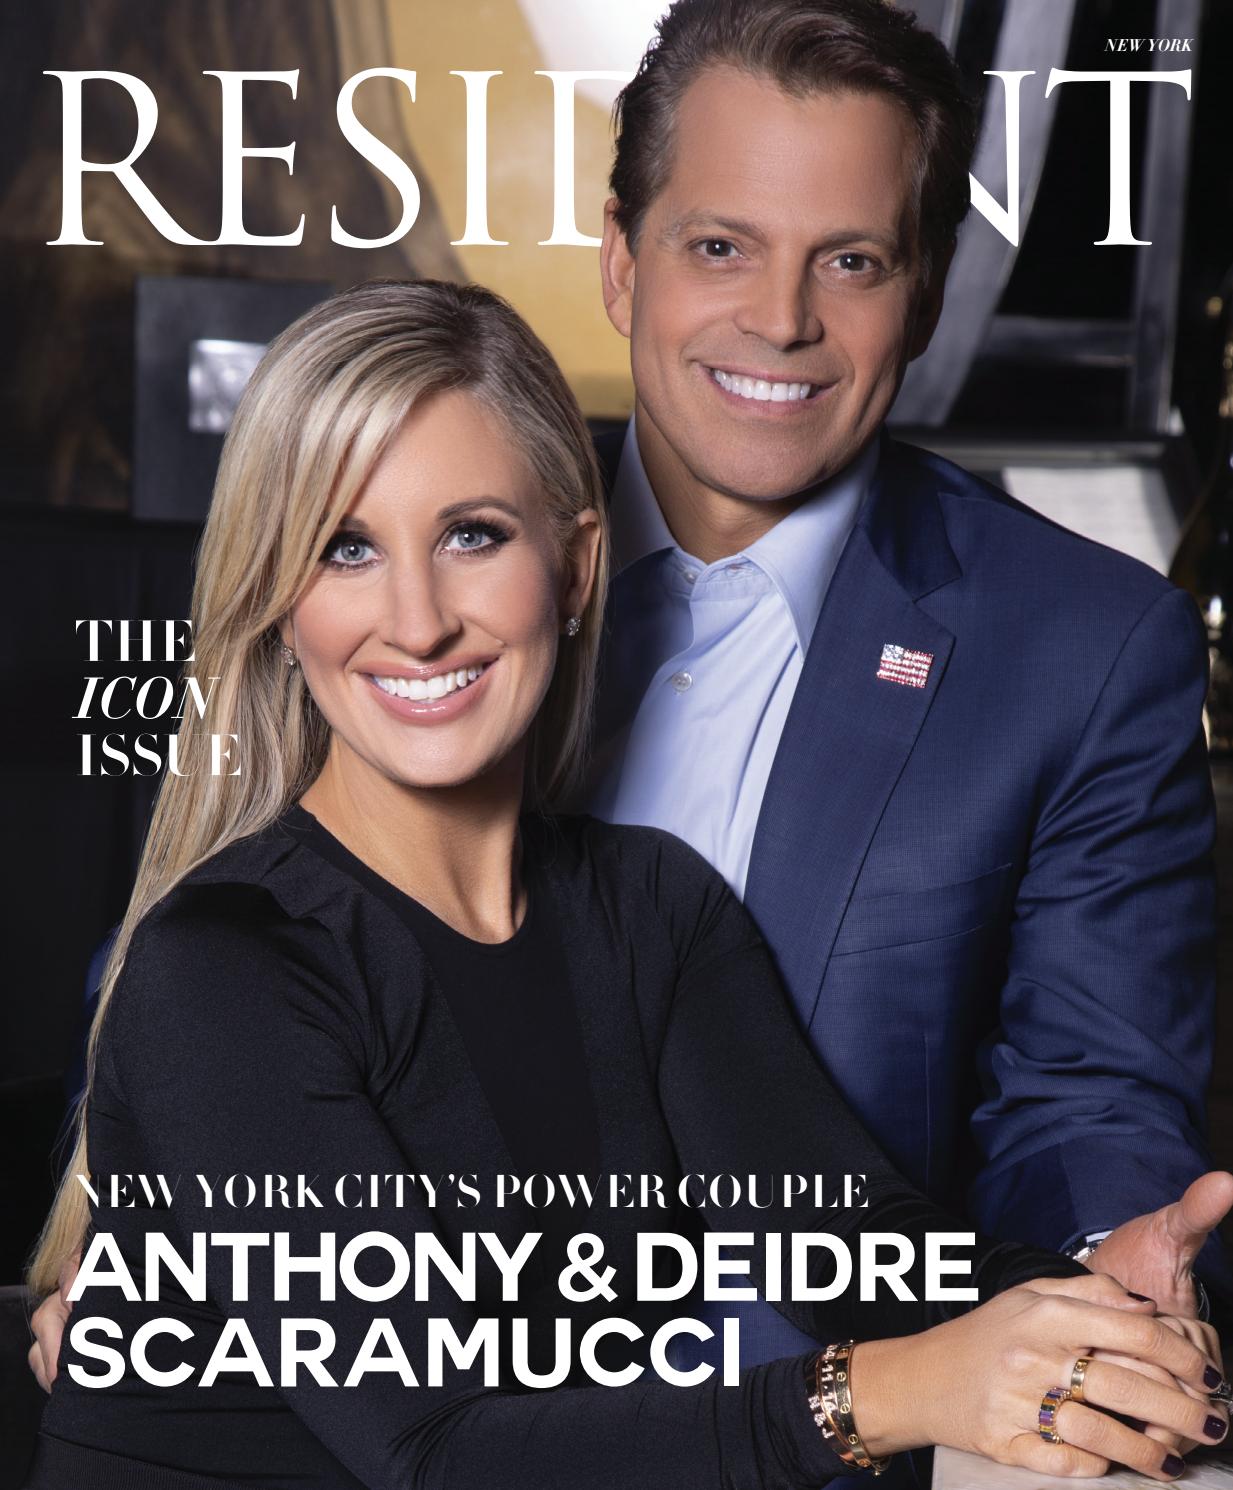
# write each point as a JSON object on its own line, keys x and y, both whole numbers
{"x": 1211, "y": 1378}
{"x": 1173, "y": 1466}
{"x": 1142, "y": 1297}
{"x": 1215, "y": 1428}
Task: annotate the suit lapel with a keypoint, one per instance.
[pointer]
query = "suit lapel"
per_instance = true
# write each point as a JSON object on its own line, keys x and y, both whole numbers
{"x": 849, "y": 733}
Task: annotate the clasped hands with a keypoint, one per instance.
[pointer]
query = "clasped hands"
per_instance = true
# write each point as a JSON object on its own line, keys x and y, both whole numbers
{"x": 976, "y": 1383}
{"x": 1154, "y": 1255}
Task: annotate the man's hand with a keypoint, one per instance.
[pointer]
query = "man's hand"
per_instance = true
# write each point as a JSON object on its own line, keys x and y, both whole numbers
{"x": 48, "y": 1323}
{"x": 1153, "y": 1254}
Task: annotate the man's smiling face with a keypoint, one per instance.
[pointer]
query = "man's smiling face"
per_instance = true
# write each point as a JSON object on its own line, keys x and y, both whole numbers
{"x": 774, "y": 297}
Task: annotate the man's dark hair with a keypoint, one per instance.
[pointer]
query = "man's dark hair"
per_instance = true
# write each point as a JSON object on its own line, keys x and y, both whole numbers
{"x": 805, "y": 47}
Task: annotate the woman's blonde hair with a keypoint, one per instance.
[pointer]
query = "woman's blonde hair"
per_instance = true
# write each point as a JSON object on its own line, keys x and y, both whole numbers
{"x": 319, "y": 411}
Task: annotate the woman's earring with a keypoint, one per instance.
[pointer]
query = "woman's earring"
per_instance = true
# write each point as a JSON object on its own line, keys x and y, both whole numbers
{"x": 287, "y": 654}
{"x": 573, "y": 626}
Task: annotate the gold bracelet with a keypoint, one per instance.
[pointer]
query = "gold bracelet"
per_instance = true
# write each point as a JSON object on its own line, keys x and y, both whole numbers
{"x": 830, "y": 1402}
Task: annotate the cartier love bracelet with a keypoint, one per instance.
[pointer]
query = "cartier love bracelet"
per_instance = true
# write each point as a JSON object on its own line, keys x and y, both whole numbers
{"x": 828, "y": 1385}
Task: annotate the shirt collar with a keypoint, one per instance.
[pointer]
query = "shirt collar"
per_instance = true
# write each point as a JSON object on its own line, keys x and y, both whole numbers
{"x": 799, "y": 554}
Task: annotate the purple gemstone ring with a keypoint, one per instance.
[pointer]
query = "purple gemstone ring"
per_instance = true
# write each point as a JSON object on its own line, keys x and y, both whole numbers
{"x": 1049, "y": 1405}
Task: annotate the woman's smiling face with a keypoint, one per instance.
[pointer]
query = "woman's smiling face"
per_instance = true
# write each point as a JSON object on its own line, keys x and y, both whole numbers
{"x": 429, "y": 633}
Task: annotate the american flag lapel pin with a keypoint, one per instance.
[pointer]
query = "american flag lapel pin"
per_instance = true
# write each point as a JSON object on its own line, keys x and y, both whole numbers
{"x": 901, "y": 665}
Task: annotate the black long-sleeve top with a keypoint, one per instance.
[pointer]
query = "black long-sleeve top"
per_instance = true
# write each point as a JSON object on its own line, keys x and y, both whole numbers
{"x": 286, "y": 1011}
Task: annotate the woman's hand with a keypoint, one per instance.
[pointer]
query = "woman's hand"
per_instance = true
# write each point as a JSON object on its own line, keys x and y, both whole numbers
{"x": 976, "y": 1382}
{"x": 1200, "y": 1334}
{"x": 48, "y": 1322}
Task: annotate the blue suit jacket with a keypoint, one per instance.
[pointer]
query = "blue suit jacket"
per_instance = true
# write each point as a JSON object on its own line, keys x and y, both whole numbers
{"x": 991, "y": 897}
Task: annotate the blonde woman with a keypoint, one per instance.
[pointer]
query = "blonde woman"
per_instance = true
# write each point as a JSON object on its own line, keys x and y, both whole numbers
{"x": 374, "y": 953}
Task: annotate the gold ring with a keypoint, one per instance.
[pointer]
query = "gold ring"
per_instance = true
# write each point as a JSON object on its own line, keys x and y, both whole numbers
{"x": 1076, "y": 1378}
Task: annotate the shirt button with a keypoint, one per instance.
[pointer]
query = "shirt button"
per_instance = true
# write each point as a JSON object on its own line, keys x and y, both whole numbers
{"x": 689, "y": 576}
{"x": 682, "y": 682}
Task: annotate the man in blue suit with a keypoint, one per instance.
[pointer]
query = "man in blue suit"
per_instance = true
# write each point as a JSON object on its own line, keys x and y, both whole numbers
{"x": 950, "y": 754}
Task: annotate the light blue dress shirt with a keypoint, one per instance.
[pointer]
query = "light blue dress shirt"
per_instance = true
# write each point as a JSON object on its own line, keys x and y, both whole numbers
{"x": 703, "y": 661}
